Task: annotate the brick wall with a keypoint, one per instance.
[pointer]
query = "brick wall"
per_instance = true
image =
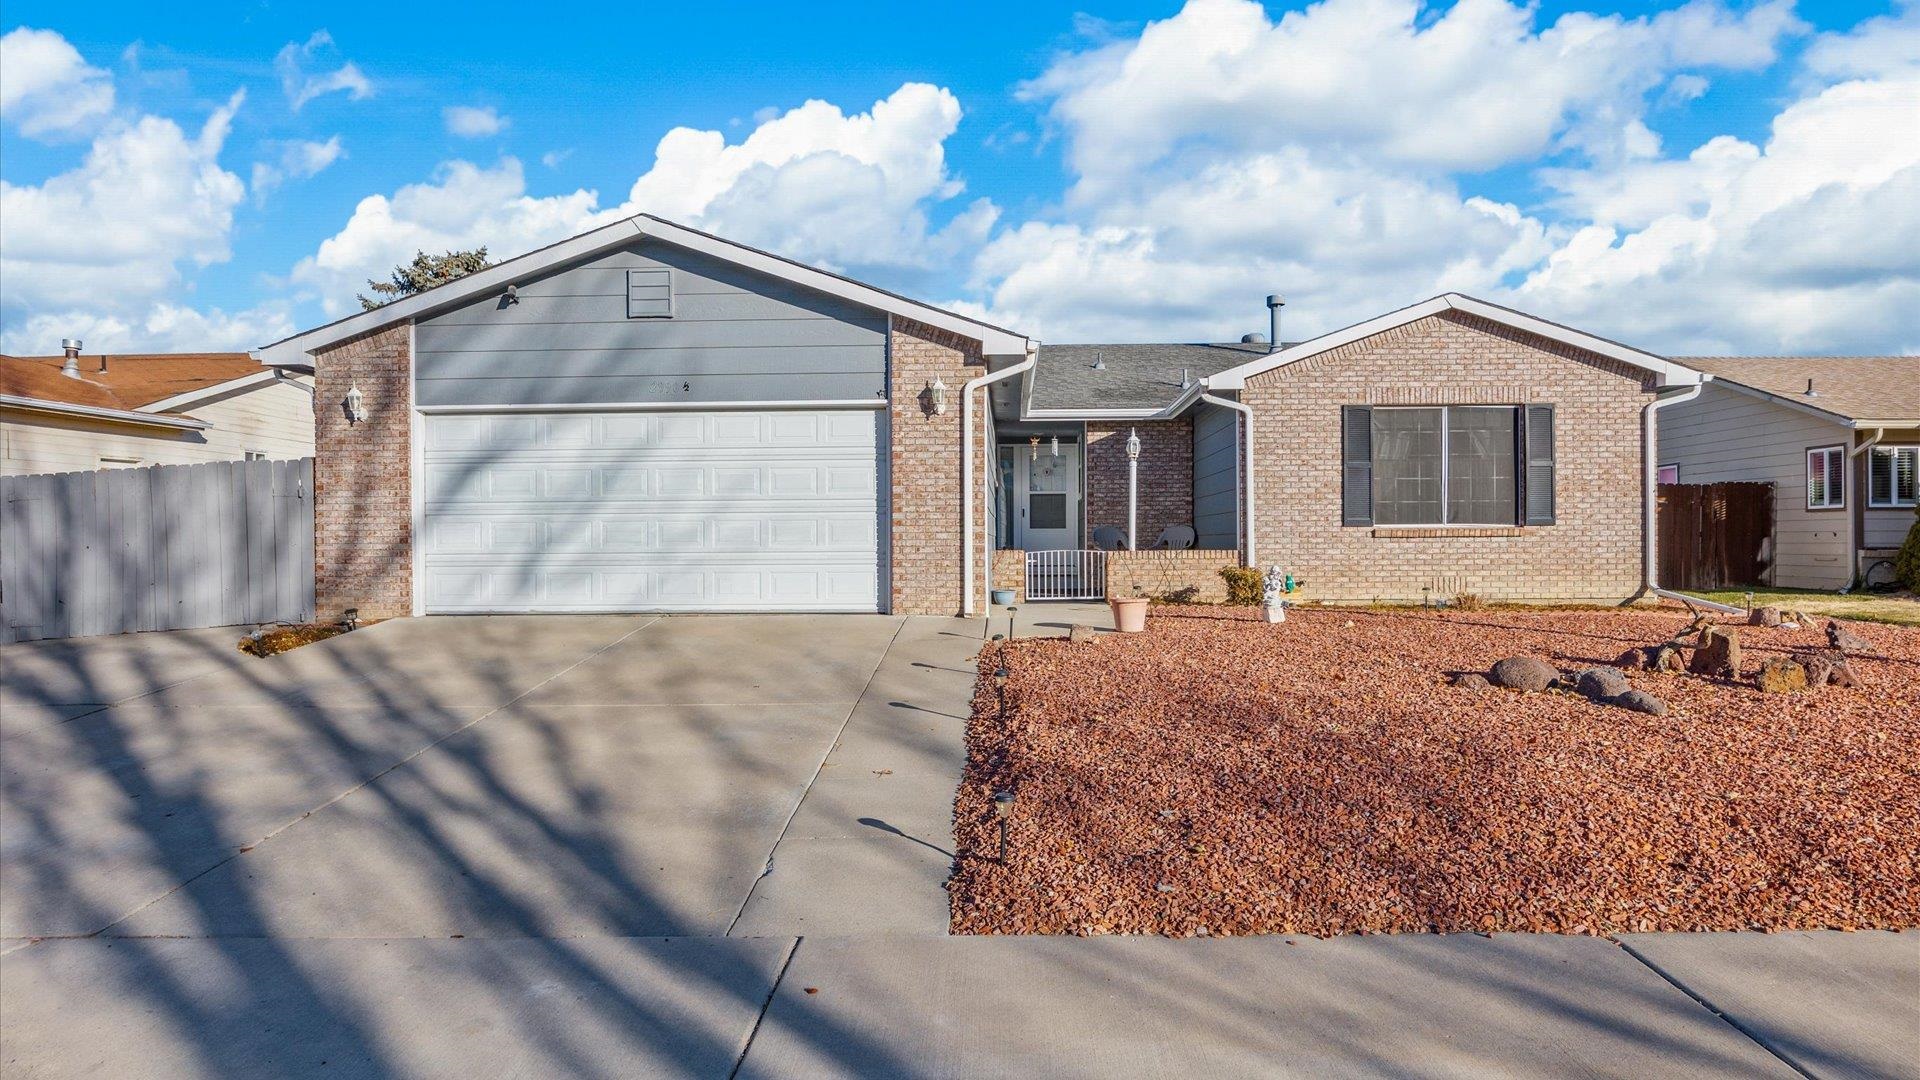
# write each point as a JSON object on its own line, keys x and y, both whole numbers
{"x": 1010, "y": 572}
{"x": 1166, "y": 476}
{"x": 925, "y": 464}
{"x": 362, "y": 498}
{"x": 1163, "y": 573}
{"x": 1594, "y": 551}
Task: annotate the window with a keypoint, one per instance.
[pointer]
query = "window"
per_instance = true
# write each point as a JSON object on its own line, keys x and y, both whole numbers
{"x": 1893, "y": 472}
{"x": 253, "y": 455}
{"x": 1826, "y": 478}
{"x": 1669, "y": 474}
{"x": 1453, "y": 465}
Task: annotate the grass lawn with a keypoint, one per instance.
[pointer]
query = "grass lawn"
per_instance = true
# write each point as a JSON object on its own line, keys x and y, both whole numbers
{"x": 1221, "y": 776}
{"x": 1900, "y": 609}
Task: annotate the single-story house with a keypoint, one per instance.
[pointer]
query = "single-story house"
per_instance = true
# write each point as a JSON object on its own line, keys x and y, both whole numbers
{"x": 1838, "y": 437}
{"x": 77, "y": 413}
{"x": 649, "y": 417}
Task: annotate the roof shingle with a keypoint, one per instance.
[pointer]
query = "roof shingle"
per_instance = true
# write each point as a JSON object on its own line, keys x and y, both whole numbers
{"x": 1134, "y": 376}
{"x": 130, "y": 381}
{"x": 1853, "y": 387}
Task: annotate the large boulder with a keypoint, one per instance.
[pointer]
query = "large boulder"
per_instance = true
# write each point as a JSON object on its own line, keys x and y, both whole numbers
{"x": 1639, "y": 701}
{"x": 1764, "y": 616}
{"x": 1523, "y": 673}
{"x": 1781, "y": 676}
{"x": 1717, "y": 654}
{"x": 1601, "y": 683}
{"x": 1826, "y": 666}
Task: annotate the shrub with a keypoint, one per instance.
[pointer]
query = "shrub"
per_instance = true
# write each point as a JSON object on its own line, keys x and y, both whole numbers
{"x": 1467, "y": 601}
{"x": 1906, "y": 564}
{"x": 1246, "y": 586}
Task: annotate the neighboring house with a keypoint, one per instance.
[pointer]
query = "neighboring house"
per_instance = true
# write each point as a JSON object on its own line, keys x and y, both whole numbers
{"x": 1837, "y": 436}
{"x": 647, "y": 417}
{"x": 76, "y": 413}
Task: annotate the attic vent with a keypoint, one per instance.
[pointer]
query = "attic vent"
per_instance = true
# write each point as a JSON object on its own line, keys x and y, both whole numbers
{"x": 650, "y": 294}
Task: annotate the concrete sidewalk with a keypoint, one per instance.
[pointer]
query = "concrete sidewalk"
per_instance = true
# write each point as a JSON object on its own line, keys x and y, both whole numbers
{"x": 634, "y": 846}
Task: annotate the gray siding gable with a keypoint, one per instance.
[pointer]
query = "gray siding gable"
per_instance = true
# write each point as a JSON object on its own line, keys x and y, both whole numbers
{"x": 1216, "y": 476}
{"x": 733, "y": 335}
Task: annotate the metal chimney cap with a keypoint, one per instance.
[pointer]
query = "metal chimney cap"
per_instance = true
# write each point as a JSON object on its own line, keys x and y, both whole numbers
{"x": 1253, "y": 339}
{"x": 70, "y": 344}
{"x": 1276, "y": 300}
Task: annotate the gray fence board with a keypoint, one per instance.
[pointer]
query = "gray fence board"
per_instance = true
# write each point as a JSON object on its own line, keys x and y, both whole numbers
{"x": 162, "y": 548}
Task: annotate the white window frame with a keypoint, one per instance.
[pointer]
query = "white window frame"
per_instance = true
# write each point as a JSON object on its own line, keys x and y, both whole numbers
{"x": 253, "y": 455}
{"x": 1446, "y": 470}
{"x": 1894, "y": 452}
{"x": 1832, "y": 499}
{"x": 1661, "y": 475}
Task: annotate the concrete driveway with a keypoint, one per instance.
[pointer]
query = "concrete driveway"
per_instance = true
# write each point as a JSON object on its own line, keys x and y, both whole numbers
{"x": 696, "y": 846}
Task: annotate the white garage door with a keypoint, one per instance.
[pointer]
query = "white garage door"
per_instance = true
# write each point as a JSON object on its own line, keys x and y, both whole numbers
{"x": 658, "y": 511}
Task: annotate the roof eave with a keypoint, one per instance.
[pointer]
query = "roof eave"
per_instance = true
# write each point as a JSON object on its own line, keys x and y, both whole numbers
{"x": 95, "y": 412}
{"x": 204, "y": 393}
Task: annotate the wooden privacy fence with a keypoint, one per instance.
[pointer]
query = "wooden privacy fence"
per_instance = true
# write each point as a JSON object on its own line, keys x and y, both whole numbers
{"x": 1713, "y": 536}
{"x": 162, "y": 548}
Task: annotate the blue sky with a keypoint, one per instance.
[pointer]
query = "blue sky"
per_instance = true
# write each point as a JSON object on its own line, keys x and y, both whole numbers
{"x": 1701, "y": 177}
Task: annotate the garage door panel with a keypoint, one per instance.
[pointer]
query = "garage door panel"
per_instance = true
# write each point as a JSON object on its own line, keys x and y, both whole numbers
{"x": 768, "y": 510}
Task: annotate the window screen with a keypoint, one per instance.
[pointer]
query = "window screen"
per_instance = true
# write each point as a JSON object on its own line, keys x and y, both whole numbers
{"x": 1480, "y": 466}
{"x": 1407, "y": 466}
{"x": 1046, "y": 511}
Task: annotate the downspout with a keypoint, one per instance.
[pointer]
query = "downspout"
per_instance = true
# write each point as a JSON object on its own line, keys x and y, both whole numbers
{"x": 1856, "y": 508}
{"x": 1246, "y": 412}
{"x": 966, "y": 479}
{"x": 1650, "y": 462}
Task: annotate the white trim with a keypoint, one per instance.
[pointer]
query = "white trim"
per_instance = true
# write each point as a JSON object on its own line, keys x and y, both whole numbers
{"x": 416, "y": 469}
{"x": 1826, "y": 479}
{"x": 93, "y": 412}
{"x": 1650, "y": 482}
{"x": 661, "y": 406}
{"x": 967, "y": 579}
{"x": 299, "y": 348}
{"x": 1671, "y": 374}
{"x": 181, "y": 401}
{"x": 1246, "y": 447}
{"x": 1893, "y": 450}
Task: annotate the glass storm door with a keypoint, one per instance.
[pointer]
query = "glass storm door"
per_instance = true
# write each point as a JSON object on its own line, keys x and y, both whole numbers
{"x": 1046, "y": 498}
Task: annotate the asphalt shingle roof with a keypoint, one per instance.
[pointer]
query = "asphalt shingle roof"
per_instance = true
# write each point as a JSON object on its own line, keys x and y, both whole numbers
{"x": 1135, "y": 376}
{"x": 129, "y": 382}
{"x": 1855, "y": 387}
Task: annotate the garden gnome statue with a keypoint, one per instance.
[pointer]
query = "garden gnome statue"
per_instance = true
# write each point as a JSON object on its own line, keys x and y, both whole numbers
{"x": 1275, "y": 603}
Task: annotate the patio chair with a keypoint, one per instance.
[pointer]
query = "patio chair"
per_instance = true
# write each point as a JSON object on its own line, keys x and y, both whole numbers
{"x": 1177, "y": 537}
{"x": 1108, "y": 538}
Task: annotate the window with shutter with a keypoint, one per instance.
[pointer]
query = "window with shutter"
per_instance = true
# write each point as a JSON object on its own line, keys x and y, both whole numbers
{"x": 1892, "y": 475}
{"x": 1826, "y": 478}
{"x": 1356, "y": 465}
{"x": 1541, "y": 482}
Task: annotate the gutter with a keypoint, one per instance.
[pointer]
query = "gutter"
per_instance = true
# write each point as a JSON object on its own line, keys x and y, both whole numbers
{"x": 93, "y": 412}
{"x": 1854, "y": 509}
{"x": 1246, "y": 412}
{"x": 1650, "y": 467}
{"x": 966, "y": 478}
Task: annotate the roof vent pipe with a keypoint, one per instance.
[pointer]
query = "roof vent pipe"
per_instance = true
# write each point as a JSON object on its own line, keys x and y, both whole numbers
{"x": 1274, "y": 303}
{"x": 1253, "y": 339}
{"x": 70, "y": 346}
{"x": 1186, "y": 378}
{"x": 1098, "y": 363}
{"x": 1811, "y": 392}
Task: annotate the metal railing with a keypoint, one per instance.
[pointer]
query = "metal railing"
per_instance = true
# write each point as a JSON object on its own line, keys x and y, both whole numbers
{"x": 1071, "y": 574}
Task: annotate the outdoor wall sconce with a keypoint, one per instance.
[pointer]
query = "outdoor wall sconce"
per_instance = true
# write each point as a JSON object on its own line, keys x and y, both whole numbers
{"x": 512, "y": 296}
{"x": 1003, "y": 809}
{"x": 356, "y": 405}
{"x": 937, "y": 397}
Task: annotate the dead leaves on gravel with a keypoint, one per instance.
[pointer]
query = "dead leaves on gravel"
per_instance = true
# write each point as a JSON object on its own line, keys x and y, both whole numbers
{"x": 1217, "y": 776}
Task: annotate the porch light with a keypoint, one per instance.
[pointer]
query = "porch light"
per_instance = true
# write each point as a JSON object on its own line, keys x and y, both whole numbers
{"x": 937, "y": 397}
{"x": 1133, "y": 444}
{"x": 355, "y": 404}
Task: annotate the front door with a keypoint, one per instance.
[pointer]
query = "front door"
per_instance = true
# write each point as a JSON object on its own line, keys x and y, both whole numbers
{"x": 1046, "y": 496}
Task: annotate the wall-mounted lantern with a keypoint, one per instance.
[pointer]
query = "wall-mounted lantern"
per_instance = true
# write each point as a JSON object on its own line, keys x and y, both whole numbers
{"x": 355, "y": 405}
{"x": 936, "y": 397}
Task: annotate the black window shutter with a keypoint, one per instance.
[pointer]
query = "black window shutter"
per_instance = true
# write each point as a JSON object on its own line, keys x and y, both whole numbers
{"x": 1538, "y": 489}
{"x": 1356, "y": 465}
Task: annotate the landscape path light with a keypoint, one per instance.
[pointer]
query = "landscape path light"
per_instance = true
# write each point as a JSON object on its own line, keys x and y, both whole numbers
{"x": 1003, "y": 809}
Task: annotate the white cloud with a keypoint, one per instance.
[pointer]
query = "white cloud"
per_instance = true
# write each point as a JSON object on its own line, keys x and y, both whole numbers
{"x": 116, "y": 230}
{"x": 302, "y": 85}
{"x": 298, "y": 160}
{"x": 552, "y": 159}
{"x": 473, "y": 121}
{"x": 162, "y": 327}
{"x": 46, "y": 88}
{"x": 852, "y": 192}
{"x": 1885, "y": 46}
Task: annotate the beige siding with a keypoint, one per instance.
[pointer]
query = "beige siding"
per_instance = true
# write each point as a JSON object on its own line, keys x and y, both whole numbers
{"x": 1727, "y": 435}
{"x": 275, "y": 419}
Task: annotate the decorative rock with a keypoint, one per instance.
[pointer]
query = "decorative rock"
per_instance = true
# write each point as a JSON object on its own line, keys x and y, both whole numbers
{"x": 1601, "y": 683}
{"x": 1800, "y": 617}
{"x": 1781, "y": 676}
{"x": 1471, "y": 680}
{"x": 1639, "y": 701}
{"x": 1826, "y": 666}
{"x": 1523, "y": 673}
{"x": 1718, "y": 653}
{"x": 1764, "y": 616}
{"x": 1634, "y": 659}
{"x": 1848, "y": 642}
{"x": 1081, "y": 633}
{"x": 1667, "y": 658}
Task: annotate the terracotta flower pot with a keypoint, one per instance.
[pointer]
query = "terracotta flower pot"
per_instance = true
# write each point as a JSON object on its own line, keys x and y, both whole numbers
{"x": 1129, "y": 613}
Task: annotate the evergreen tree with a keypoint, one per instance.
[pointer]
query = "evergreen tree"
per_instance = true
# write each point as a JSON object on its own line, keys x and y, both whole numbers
{"x": 424, "y": 272}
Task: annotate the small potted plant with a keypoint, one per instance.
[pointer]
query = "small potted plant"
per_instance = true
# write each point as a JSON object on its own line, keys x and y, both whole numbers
{"x": 1129, "y": 612}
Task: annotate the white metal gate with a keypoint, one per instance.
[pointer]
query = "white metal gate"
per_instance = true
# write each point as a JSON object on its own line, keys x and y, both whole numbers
{"x": 1072, "y": 574}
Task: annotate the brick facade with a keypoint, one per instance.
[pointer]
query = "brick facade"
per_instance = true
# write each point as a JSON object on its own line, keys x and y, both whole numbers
{"x": 1010, "y": 572}
{"x": 1592, "y": 553}
{"x": 1166, "y": 476}
{"x": 362, "y": 497}
{"x": 1167, "y": 573}
{"x": 924, "y": 457}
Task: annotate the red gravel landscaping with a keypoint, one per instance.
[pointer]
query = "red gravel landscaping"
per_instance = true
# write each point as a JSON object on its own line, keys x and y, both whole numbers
{"x": 1217, "y": 775}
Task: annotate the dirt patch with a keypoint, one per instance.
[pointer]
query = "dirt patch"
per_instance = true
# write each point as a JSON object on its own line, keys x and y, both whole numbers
{"x": 1217, "y": 775}
{"x": 283, "y": 638}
